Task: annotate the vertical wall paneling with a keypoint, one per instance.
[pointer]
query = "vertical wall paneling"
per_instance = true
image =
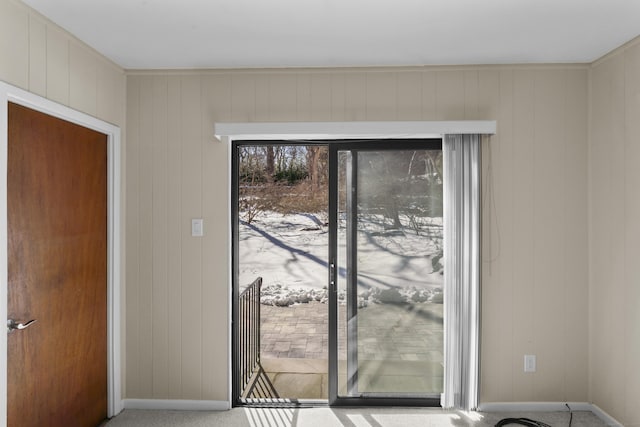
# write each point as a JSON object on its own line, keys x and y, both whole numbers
{"x": 338, "y": 97}
{"x": 409, "y": 97}
{"x": 320, "y": 101}
{"x": 382, "y": 96}
{"x": 617, "y": 217}
{"x": 37, "y": 55}
{"x": 57, "y": 65}
{"x": 576, "y": 232}
{"x": 82, "y": 78}
{"x": 355, "y": 88}
{"x": 429, "y": 95}
{"x": 14, "y": 44}
{"x": 498, "y": 221}
{"x": 614, "y": 294}
{"x": 599, "y": 247}
{"x": 500, "y": 84}
{"x": 449, "y": 94}
{"x": 133, "y": 358}
{"x": 174, "y": 236}
{"x": 191, "y": 202}
{"x": 109, "y": 92}
{"x": 145, "y": 237}
{"x": 243, "y": 97}
{"x": 549, "y": 240}
{"x": 599, "y": 236}
{"x": 261, "y": 97}
{"x": 282, "y": 97}
{"x": 612, "y": 211}
{"x": 161, "y": 312}
{"x": 632, "y": 232}
{"x": 523, "y": 253}
{"x": 471, "y": 93}
{"x": 216, "y": 101}
{"x": 303, "y": 97}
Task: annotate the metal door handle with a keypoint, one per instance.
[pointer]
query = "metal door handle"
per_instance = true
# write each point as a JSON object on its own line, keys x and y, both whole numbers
{"x": 332, "y": 277}
{"x": 12, "y": 325}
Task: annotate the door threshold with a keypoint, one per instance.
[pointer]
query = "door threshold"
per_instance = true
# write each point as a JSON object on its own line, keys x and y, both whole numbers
{"x": 275, "y": 403}
{"x": 282, "y": 403}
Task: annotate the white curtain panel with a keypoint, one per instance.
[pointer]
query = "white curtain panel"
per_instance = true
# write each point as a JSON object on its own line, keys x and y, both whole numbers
{"x": 462, "y": 172}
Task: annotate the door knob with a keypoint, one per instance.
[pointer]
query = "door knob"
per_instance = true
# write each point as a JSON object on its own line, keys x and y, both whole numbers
{"x": 12, "y": 325}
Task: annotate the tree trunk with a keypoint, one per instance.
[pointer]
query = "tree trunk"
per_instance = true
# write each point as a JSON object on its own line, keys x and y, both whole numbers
{"x": 313, "y": 157}
{"x": 270, "y": 168}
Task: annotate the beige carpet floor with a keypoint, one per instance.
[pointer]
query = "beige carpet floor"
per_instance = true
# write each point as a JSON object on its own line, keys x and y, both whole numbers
{"x": 339, "y": 417}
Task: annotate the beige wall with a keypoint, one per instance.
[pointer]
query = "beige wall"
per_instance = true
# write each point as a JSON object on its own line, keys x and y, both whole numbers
{"x": 535, "y": 212}
{"x": 38, "y": 56}
{"x": 614, "y": 230}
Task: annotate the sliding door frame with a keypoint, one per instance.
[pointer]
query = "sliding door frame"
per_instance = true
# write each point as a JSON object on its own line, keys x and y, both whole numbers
{"x": 236, "y": 387}
{"x": 379, "y": 144}
{"x": 355, "y": 146}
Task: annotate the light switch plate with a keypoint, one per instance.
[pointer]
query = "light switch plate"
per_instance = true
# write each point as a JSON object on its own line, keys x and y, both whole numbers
{"x": 197, "y": 227}
{"x": 529, "y": 363}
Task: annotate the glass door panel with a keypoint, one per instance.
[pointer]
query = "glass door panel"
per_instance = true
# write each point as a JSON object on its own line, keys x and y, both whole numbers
{"x": 388, "y": 272}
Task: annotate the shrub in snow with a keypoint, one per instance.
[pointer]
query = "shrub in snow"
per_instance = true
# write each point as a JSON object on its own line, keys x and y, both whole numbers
{"x": 283, "y": 296}
{"x": 282, "y": 301}
{"x": 420, "y": 296}
{"x": 390, "y": 296}
{"x": 437, "y": 298}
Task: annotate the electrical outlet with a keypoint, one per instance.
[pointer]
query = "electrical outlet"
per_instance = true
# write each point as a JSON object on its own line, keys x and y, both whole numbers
{"x": 529, "y": 363}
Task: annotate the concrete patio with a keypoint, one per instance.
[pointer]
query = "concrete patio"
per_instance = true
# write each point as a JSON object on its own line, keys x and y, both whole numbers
{"x": 399, "y": 348}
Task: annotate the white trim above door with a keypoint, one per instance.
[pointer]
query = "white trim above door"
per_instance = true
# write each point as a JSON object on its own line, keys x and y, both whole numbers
{"x": 351, "y": 130}
{"x": 16, "y": 95}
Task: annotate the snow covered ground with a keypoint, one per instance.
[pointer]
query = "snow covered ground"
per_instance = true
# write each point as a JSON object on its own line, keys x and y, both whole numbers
{"x": 290, "y": 253}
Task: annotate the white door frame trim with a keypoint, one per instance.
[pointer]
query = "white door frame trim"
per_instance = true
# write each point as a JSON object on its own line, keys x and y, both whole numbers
{"x": 9, "y": 93}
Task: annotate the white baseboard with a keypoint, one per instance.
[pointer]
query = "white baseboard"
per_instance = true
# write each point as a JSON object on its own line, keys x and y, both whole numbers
{"x": 549, "y": 407}
{"x": 533, "y": 406}
{"x": 177, "y": 404}
{"x": 606, "y": 418}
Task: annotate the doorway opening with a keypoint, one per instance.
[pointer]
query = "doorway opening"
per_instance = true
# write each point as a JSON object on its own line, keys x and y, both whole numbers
{"x": 338, "y": 272}
{"x": 282, "y": 239}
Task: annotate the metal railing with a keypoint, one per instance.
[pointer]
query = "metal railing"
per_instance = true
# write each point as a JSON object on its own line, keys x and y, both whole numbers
{"x": 249, "y": 334}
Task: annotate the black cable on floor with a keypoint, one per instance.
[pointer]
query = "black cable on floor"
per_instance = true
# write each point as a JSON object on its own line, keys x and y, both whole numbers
{"x": 570, "y": 414}
{"x": 521, "y": 421}
{"x": 529, "y": 422}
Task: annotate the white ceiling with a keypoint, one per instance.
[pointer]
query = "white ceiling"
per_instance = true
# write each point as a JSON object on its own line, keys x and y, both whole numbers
{"x": 161, "y": 34}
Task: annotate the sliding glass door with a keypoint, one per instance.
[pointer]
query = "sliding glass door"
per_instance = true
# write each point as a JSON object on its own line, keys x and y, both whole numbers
{"x": 386, "y": 272}
{"x": 382, "y": 308}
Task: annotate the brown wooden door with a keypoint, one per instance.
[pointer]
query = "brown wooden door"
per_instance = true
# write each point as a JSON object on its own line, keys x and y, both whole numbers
{"x": 57, "y": 260}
